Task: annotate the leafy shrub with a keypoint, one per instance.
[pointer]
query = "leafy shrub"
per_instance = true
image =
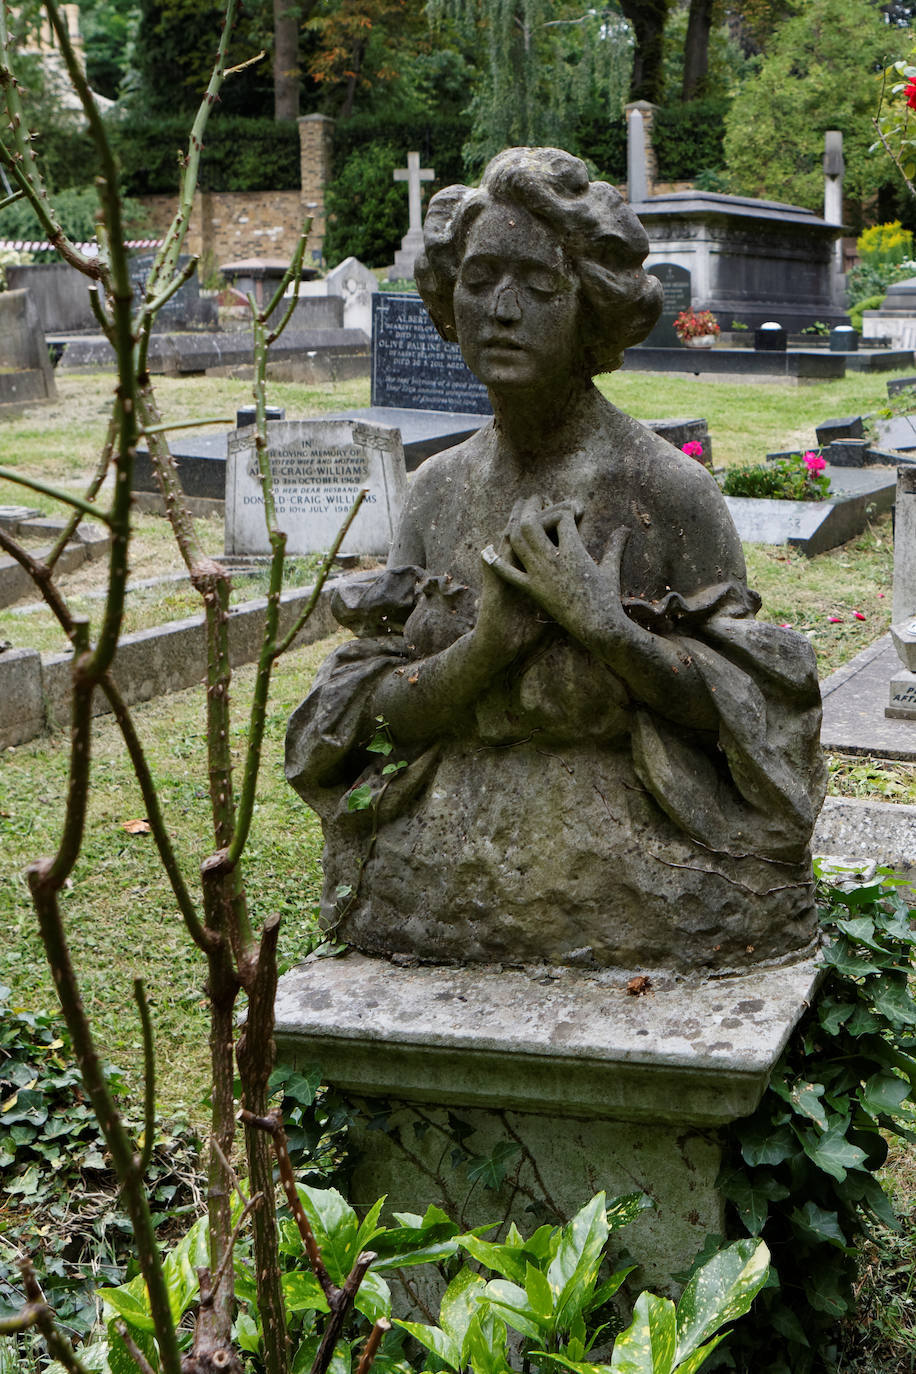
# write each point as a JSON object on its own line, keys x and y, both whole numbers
{"x": 438, "y": 140}
{"x": 367, "y": 208}
{"x": 867, "y": 303}
{"x": 885, "y": 243}
{"x": 603, "y": 142}
{"x": 240, "y": 154}
{"x": 77, "y": 209}
{"x": 55, "y": 1176}
{"x": 785, "y": 479}
{"x": 688, "y": 138}
{"x": 550, "y": 1290}
{"x": 802, "y": 1167}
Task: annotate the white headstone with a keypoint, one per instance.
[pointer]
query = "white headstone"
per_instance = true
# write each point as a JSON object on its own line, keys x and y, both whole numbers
{"x": 357, "y": 284}
{"x": 318, "y": 467}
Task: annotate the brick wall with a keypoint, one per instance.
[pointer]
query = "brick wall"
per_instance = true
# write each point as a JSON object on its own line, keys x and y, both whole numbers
{"x": 228, "y": 225}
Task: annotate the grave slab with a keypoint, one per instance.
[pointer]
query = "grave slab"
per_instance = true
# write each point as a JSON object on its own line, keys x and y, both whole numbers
{"x": 855, "y": 697}
{"x": 413, "y": 367}
{"x": 318, "y": 467}
{"x": 737, "y": 362}
{"x": 814, "y": 526}
{"x": 897, "y": 433}
{"x": 642, "y": 1083}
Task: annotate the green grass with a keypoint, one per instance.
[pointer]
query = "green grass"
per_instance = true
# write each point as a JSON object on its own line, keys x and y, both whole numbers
{"x": 120, "y": 915}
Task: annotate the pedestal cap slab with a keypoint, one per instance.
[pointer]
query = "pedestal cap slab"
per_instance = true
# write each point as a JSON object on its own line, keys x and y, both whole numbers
{"x": 554, "y": 1040}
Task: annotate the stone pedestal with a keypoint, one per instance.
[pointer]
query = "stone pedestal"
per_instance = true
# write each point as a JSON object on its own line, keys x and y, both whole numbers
{"x": 584, "y": 1081}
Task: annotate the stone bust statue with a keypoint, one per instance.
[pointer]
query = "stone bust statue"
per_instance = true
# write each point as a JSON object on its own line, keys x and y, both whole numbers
{"x": 607, "y": 761}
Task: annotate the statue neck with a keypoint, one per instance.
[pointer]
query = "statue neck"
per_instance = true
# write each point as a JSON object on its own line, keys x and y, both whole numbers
{"x": 536, "y": 426}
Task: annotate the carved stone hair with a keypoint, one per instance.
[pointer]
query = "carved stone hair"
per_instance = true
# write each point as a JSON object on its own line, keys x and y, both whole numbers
{"x": 603, "y": 241}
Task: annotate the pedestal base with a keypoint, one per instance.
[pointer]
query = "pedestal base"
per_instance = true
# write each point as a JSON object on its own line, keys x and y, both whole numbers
{"x": 579, "y": 1083}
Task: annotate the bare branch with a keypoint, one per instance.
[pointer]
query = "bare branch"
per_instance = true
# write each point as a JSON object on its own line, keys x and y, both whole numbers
{"x": 370, "y": 1349}
{"x": 133, "y": 1350}
{"x": 149, "y": 1077}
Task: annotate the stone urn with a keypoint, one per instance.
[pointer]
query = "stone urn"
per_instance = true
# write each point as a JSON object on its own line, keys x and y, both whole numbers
{"x": 701, "y": 341}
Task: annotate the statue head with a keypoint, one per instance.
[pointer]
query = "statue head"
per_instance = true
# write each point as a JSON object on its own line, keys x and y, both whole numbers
{"x": 603, "y": 246}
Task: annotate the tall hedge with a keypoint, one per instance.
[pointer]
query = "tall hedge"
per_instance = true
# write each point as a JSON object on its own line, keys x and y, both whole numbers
{"x": 688, "y": 138}
{"x": 240, "y": 154}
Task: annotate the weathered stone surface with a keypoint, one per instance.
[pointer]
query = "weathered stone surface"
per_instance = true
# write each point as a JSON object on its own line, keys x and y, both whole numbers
{"x": 20, "y": 690}
{"x": 603, "y": 1088}
{"x": 904, "y": 636}
{"x": 600, "y": 757}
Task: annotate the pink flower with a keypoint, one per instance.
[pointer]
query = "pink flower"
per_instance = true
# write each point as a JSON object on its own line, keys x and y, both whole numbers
{"x": 910, "y": 93}
{"x": 835, "y": 619}
{"x": 785, "y": 625}
{"x": 881, "y": 596}
{"x": 693, "y": 448}
{"x": 813, "y": 461}
{"x": 858, "y": 615}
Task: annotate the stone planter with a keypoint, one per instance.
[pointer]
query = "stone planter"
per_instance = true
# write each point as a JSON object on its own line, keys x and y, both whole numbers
{"x": 701, "y": 341}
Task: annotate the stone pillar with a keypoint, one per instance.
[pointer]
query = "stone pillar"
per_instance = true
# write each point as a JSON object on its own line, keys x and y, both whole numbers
{"x": 642, "y": 166}
{"x": 905, "y": 544}
{"x": 834, "y": 168}
{"x": 316, "y": 145}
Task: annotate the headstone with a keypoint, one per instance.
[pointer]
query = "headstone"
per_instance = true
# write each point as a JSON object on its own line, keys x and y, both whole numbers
{"x": 770, "y": 338}
{"x": 847, "y": 453}
{"x": 26, "y": 374}
{"x": 897, "y": 433}
{"x": 412, "y": 242}
{"x": 357, "y": 285}
{"x": 413, "y": 366}
{"x": 247, "y": 415}
{"x": 318, "y": 468}
{"x": 675, "y": 282}
{"x": 850, "y": 427}
{"x": 185, "y": 309}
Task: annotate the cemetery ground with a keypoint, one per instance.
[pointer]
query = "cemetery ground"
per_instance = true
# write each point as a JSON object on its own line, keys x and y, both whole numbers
{"x": 119, "y": 910}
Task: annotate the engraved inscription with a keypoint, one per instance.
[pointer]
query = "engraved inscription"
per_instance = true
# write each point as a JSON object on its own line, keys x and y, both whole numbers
{"x": 413, "y": 367}
{"x": 314, "y": 480}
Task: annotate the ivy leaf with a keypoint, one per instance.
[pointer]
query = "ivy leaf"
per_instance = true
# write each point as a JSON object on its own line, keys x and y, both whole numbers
{"x": 806, "y": 1099}
{"x": 491, "y": 1169}
{"x": 826, "y": 1290}
{"x": 884, "y": 1092}
{"x": 360, "y": 799}
{"x": 765, "y": 1144}
{"x": 832, "y": 1152}
{"x": 838, "y": 956}
{"x": 752, "y": 1196}
{"x": 866, "y": 1191}
{"x": 891, "y": 998}
{"x": 816, "y": 1224}
{"x": 833, "y": 1014}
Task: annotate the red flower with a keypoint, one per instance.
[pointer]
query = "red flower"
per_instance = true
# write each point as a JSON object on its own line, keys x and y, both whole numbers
{"x": 858, "y": 615}
{"x": 910, "y": 93}
{"x": 813, "y": 461}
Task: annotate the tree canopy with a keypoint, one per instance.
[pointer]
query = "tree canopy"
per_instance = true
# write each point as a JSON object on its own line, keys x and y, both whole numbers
{"x": 821, "y": 71}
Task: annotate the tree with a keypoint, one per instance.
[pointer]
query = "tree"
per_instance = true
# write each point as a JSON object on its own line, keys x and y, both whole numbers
{"x": 696, "y": 48}
{"x": 819, "y": 73}
{"x": 544, "y": 63}
{"x": 286, "y": 59}
{"x": 647, "y": 18}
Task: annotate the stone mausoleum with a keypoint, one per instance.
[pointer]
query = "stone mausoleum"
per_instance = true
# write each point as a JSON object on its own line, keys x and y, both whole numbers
{"x": 749, "y": 260}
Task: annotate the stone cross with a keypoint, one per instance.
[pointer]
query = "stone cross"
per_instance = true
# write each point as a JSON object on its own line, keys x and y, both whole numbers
{"x": 413, "y": 174}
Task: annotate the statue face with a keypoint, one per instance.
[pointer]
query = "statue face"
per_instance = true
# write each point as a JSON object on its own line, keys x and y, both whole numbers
{"x": 516, "y": 304}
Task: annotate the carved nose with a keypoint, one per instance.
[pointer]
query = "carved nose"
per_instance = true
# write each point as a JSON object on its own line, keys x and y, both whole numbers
{"x": 507, "y": 304}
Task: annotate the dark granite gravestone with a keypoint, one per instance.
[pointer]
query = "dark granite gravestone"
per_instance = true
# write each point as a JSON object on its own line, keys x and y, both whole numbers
{"x": 413, "y": 367}
{"x": 848, "y": 427}
{"x": 676, "y": 286}
{"x": 184, "y": 310}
